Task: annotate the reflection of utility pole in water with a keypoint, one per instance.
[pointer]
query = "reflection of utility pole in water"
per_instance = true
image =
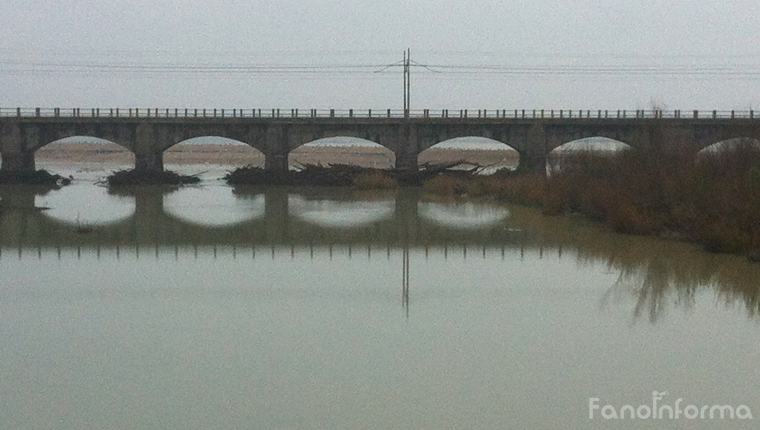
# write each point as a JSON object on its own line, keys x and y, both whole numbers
{"x": 405, "y": 281}
{"x": 405, "y": 215}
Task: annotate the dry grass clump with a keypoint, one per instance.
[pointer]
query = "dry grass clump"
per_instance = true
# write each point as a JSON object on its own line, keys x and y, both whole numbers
{"x": 528, "y": 189}
{"x": 712, "y": 198}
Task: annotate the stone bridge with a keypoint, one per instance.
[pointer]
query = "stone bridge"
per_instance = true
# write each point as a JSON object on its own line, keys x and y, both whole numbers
{"x": 148, "y": 133}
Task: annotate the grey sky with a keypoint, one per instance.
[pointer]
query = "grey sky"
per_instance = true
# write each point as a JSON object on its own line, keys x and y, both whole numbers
{"x": 52, "y": 50}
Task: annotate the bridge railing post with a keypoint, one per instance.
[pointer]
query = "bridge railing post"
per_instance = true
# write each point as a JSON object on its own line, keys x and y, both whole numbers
{"x": 715, "y": 114}
{"x": 751, "y": 114}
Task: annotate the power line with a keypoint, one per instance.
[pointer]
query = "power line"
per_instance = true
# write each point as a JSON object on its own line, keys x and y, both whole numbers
{"x": 25, "y": 67}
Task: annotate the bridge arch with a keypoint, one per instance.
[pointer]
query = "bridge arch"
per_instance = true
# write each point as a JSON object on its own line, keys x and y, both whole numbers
{"x": 85, "y": 148}
{"x": 599, "y": 146}
{"x": 473, "y": 150}
{"x": 75, "y": 133}
{"x": 592, "y": 144}
{"x": 733, "y": 144}
{"x": 168, "y": 135}
{"x": 343, "y": 150}
{"x": 213, "y": 150}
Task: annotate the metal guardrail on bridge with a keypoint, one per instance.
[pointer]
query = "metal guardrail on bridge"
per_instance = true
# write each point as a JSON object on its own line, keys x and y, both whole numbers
{"x": 370, "y": 113}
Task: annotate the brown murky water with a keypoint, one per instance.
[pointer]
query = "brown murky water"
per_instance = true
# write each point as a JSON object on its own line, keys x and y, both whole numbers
{"x": 212, "y": 307}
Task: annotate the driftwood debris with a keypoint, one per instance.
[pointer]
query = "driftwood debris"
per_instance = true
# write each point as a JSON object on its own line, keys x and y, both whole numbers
{"x": 335, "y": 175}
{"x": 132, "y": 177}
{"x": 39, "y": 177}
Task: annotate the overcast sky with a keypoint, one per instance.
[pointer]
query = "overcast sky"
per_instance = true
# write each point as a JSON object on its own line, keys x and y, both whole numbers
{"x": 579, "y": 54}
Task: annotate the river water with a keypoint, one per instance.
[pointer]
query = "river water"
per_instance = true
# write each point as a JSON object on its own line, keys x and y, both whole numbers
{"x": 210, "y": 307}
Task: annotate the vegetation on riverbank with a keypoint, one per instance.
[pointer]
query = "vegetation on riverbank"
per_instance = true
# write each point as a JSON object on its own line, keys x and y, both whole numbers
{"x": 712, "y": 198}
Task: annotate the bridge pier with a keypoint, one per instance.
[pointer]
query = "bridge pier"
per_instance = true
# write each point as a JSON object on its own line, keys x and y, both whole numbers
{"x": 408, "y": 148}
{"x": 17, "y": 162}
{"x": 148, "y": 158}
{"x": 406, "y": 162}
{"x": 149, "y": 162}
{"x": 533, "y": 152}
{"x": 277, "y": 143}
{"x": 14, "y": 149}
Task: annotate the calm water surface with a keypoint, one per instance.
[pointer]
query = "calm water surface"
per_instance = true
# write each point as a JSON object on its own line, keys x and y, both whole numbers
{"x": 213, "y": 308}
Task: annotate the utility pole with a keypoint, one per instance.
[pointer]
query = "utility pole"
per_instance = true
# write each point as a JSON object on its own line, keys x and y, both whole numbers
{"x": 407, "y": 80}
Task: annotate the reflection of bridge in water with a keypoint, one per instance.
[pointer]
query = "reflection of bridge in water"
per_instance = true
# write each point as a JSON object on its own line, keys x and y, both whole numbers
{"x": 656, "y": 272}
{"x": 23, "y": 225}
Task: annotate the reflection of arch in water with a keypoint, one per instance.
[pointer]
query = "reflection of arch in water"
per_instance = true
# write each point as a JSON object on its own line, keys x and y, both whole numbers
{"x": 213, "y": 150}
{"x": 208, "y": 207}
{"x": 83, "y": 204}
{"x": 463, "y": 215}
{"x": 340, "y": 214}
{"x": 343, "y": 150}
{"x": 474, "y": 150}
